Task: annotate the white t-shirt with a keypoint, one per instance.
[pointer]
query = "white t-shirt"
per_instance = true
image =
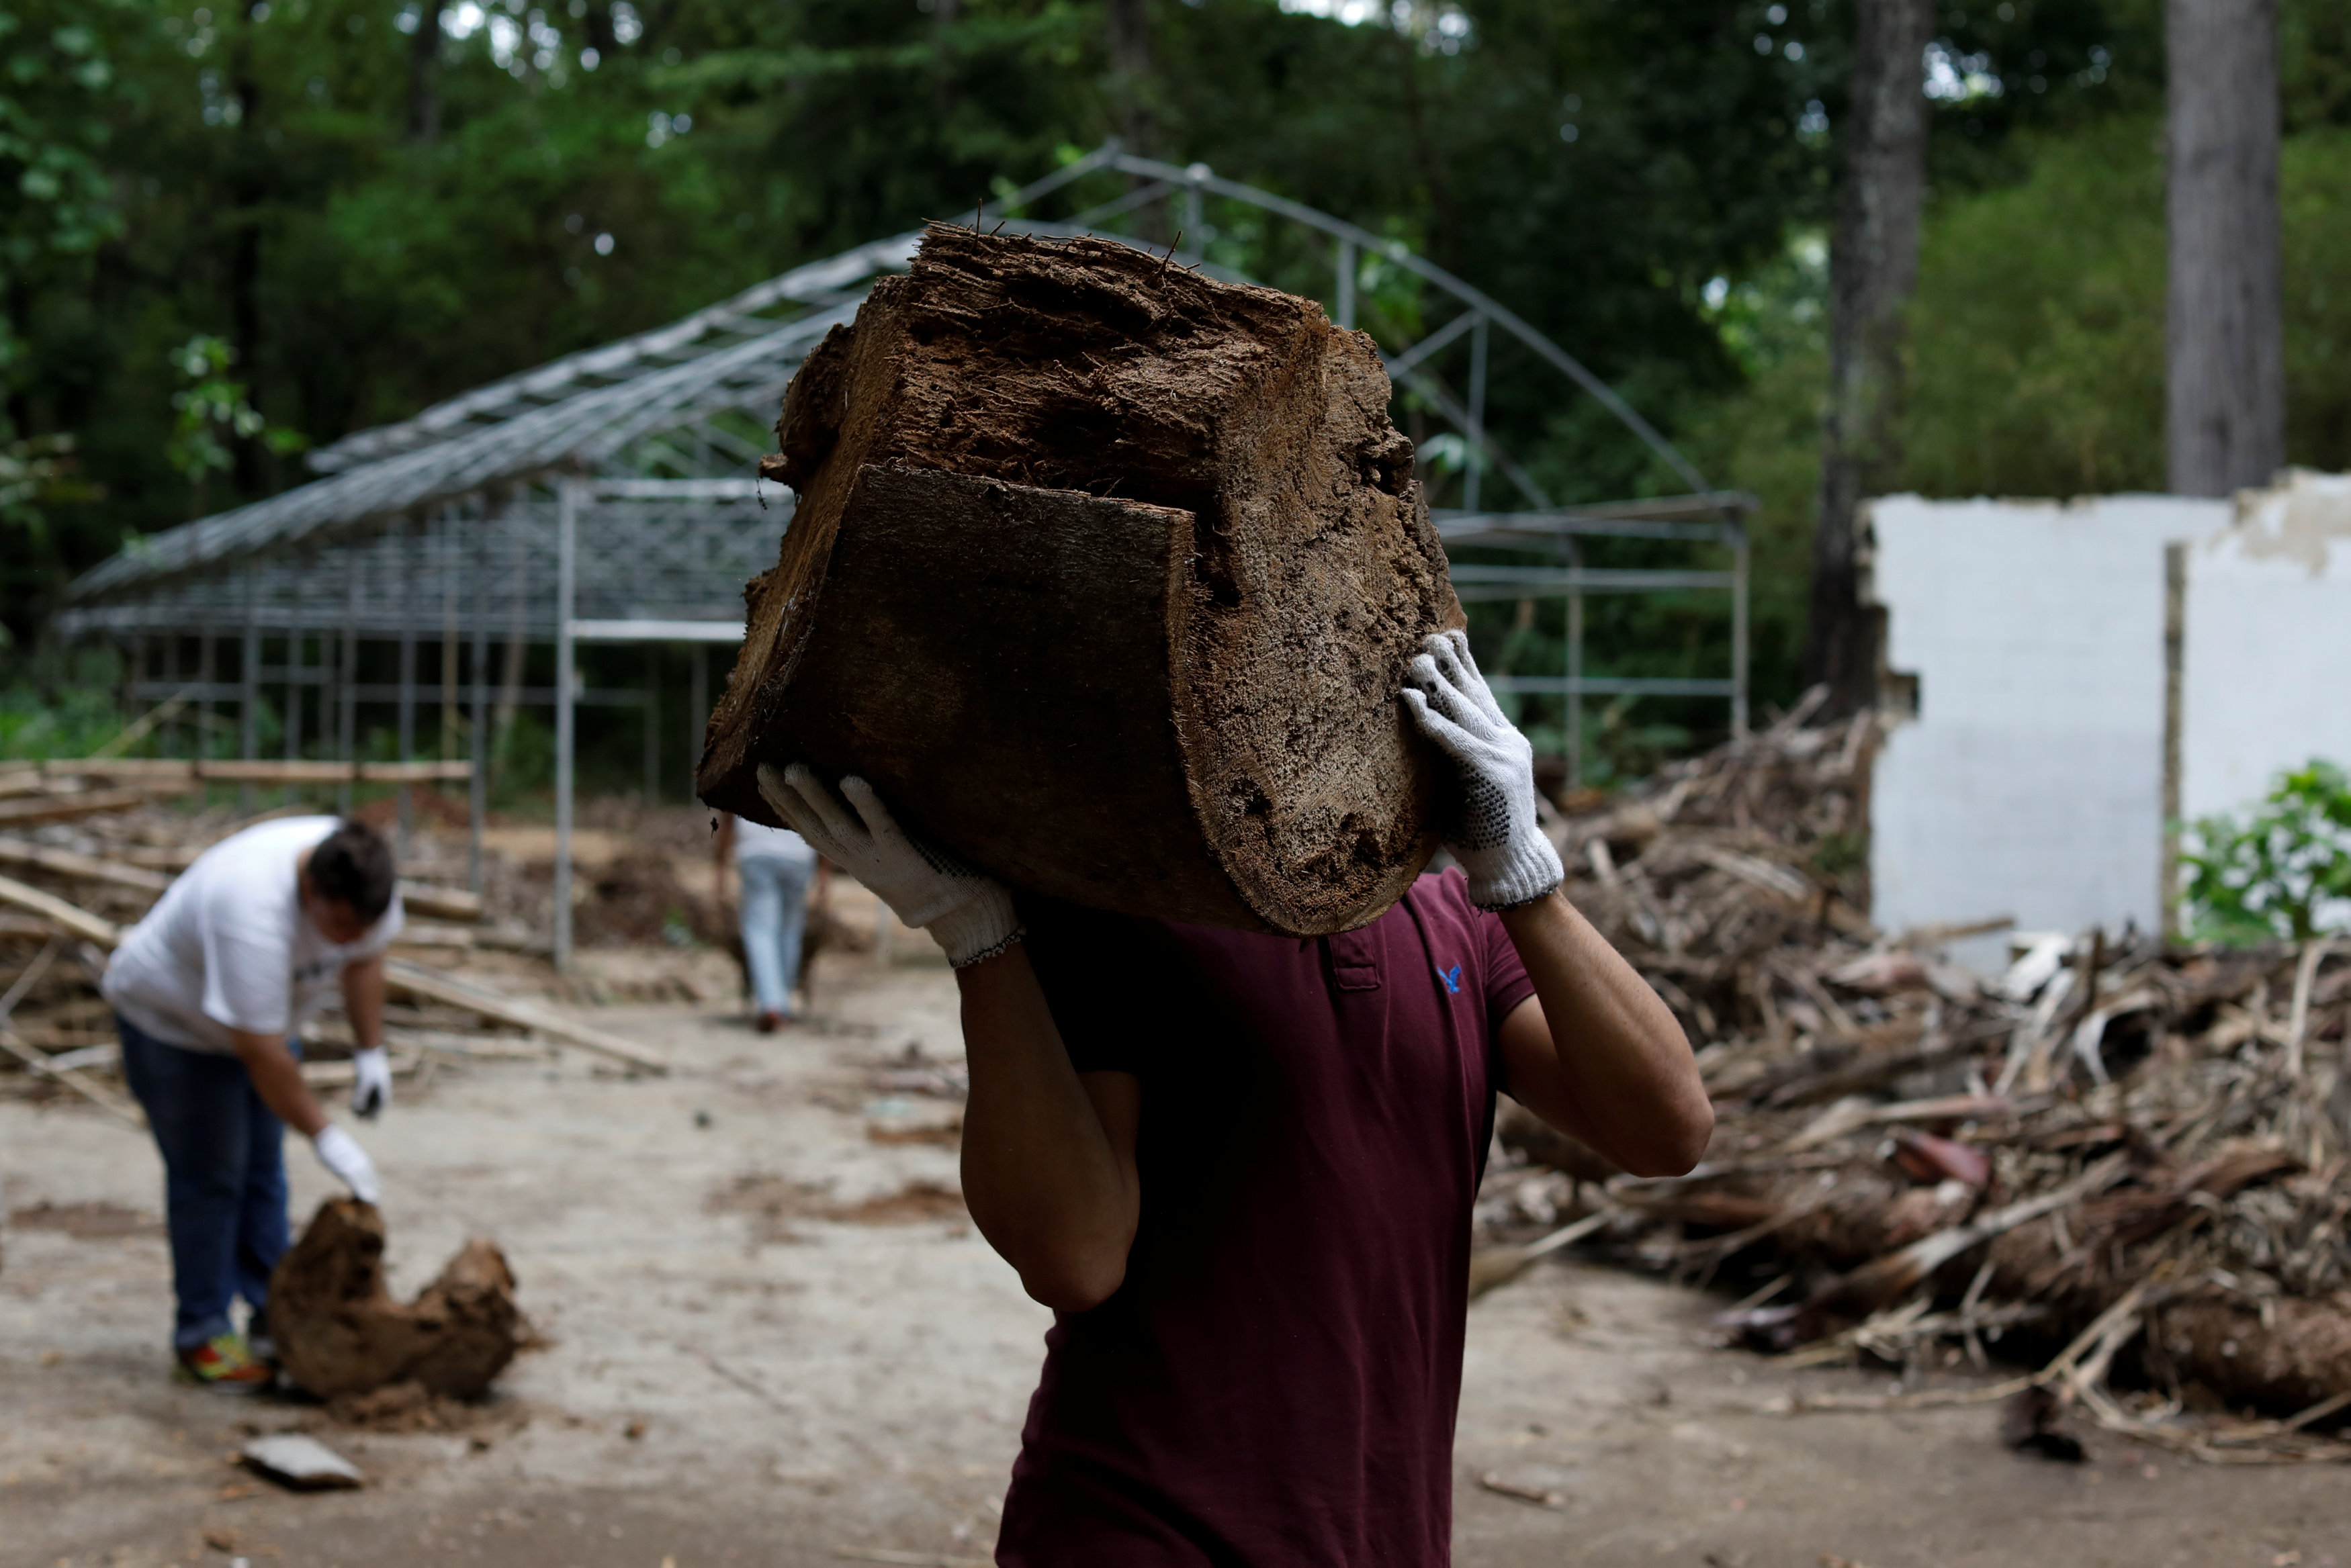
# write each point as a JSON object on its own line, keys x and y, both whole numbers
{"x": 228, "y": 947}
{"x": 756, "y": 841}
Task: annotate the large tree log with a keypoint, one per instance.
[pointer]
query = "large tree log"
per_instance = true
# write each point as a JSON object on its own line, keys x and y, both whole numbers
{"x": 1104, "y": 573}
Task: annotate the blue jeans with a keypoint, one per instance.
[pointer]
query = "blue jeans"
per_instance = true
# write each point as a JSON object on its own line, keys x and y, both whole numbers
{"x": 775, "y": 917}
{"x": 224, "y": 1177}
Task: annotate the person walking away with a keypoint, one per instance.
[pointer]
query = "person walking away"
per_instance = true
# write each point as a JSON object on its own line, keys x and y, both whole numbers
{"x": 1240, "y": 1168}
{"x": 210, "y": 992}
{"x": 775, "y": 865}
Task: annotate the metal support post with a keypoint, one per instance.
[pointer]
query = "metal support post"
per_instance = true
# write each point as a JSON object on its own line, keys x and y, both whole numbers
{"x": 567, "y": 551}
{"x": 444, "y": 568}
{"x": 1739, "y": 632}
{"x": 347, "y": 716}
{"x": 1344, "y": 302}
{"x": 207, "y": 667}
{"x": 697, "y": 713}
{"x": 477, "y": 788}
{"x": 248, "y": 680}
{"x": 1476, "y": 454}
{"x": 297, "y": 647}
{"x": 652, "y": 723}
{"x": 407, "y": 720}
{"x": 1575, "y": 670}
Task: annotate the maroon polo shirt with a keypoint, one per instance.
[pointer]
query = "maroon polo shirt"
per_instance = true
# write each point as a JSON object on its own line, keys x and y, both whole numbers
{"x": 1275, "y": 1383}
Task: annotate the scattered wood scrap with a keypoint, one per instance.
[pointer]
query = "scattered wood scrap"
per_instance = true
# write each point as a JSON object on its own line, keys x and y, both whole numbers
{"x": 410, "y": 980}
{"x": 2135, "y": 1146}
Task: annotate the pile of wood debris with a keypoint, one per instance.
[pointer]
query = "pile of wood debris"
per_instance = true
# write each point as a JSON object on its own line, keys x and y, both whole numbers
{"x": 86, "y": 847}
{"x": 2129, "y": 1153}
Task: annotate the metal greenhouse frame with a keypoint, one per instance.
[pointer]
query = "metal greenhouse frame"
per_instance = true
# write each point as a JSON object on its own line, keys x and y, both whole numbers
{"x": 608, "y": 497}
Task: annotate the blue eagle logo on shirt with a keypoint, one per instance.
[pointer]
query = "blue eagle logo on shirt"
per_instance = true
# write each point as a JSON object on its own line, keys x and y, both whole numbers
{"x": 1452, "y": 978}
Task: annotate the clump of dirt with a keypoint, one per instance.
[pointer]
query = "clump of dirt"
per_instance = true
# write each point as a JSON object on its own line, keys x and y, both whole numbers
{"x": 340, "y": 1333}
{"x": 87, "y": 1221}
{"x": 773, "y": 1203}
{"x": 409, "y": 1406}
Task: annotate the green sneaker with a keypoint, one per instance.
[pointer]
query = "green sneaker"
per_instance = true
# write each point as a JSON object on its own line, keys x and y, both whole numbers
{"x": 224, "y": 1362}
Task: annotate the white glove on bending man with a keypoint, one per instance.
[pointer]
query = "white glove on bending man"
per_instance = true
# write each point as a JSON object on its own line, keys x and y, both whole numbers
{"x": 1507, "y": 857}
{"x": 347, "y": 1162}
{"x": 371, "y": 1082}
{"x": 969, "y": 913}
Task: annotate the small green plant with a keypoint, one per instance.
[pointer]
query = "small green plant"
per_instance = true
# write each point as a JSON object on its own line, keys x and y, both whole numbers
{"x": 2283, "y": 876}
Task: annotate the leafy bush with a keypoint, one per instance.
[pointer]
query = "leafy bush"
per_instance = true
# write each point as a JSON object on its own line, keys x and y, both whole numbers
{"x": 2284, "y": 875}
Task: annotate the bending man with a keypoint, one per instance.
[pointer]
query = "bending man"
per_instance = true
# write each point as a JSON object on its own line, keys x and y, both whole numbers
{"x": 210, "y": 992}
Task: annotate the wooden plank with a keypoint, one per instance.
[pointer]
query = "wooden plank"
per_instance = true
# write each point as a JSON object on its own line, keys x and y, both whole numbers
{"x": 232, "y": 769}
{"x": 34, "y": 810}
{"x": 89, "y": 868}
{"x": 55, "y": 910}
{"x": 103, "y": 1099}
{"x": 441, "y": 903}
{"x": 415, "y": 772}
{"x": 410, "y": 980}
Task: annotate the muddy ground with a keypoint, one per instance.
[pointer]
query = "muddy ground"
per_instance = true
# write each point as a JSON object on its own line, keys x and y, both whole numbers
{"x": 774, "y": 1339}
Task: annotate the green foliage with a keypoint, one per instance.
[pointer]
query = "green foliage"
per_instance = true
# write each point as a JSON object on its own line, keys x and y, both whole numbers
{"x": 2282, "y": 875}
{"x": 59, "y": 707}
{"x": 214, "y": 406}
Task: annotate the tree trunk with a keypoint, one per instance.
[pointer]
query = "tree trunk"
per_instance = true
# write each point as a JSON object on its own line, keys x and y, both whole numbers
{"x": 1873, "y": 272}
{"x": 425, "y": 75}
{"x": 2225, "y": 382}
{"x": 1104, "y": 573}
{"x": 1129, "y": 39}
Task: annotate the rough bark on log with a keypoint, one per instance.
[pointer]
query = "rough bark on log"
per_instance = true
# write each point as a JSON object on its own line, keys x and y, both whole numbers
{"x": 338, "y": 1332}
{"x": 1104, "y": 573}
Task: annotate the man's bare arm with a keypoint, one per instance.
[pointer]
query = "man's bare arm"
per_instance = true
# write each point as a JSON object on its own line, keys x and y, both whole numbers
{"x": 277, "y": 1079}
{"x": 1048, "y": 1168}
{"x": 363, "y": 992}
{"x": 1596, "y": 1052}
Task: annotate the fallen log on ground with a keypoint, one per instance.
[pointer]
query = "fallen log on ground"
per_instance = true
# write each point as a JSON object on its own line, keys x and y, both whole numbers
{"x": 339, "y": 1332}
{"x": 1104, "y": 573}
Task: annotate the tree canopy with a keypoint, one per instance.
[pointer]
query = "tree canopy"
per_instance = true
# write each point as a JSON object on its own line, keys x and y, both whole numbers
{"x": 236, "y": 231}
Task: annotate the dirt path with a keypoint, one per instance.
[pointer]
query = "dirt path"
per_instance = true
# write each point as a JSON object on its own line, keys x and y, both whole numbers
{"x": 771, "y": 1339}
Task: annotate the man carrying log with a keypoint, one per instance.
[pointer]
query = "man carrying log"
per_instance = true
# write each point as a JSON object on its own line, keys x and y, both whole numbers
{"x": 1240, "y": 1168}
{"x": 210, "y": 992}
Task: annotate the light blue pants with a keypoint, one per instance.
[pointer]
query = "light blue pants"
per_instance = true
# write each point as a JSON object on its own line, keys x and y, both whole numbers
{"x": 775, "y": 917}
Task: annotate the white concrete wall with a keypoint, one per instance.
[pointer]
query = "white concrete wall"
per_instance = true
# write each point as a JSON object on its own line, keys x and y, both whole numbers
{"x": 2266, "y": 666}
{"x": 2030, "y": 785}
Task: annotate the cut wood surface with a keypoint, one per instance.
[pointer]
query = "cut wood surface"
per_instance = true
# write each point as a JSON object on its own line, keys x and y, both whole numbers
{"x": 1104, "y": 573}
{"x": 410, "y": 980}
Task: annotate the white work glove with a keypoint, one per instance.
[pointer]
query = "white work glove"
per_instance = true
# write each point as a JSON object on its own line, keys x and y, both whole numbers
{"x": 1507, "y": 857}
{"x": 969, "y": 912}
{"x": 344, "y": 1158}
{"x": 371, "y": 1082}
